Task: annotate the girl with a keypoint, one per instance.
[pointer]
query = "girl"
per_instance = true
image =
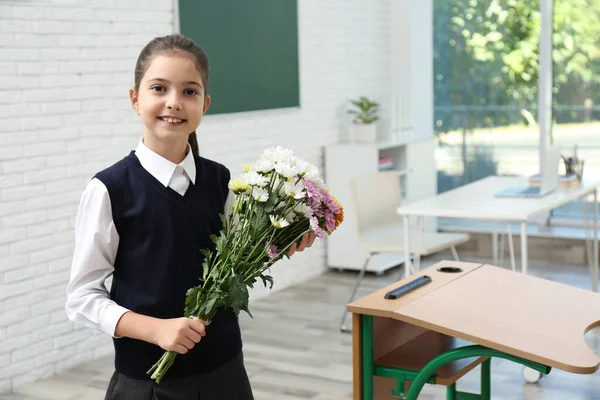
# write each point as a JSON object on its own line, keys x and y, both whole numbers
{"x": 143, "y": 221}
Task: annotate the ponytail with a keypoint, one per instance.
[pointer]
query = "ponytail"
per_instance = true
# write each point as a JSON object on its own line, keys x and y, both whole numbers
{"x": 193, "y": 141}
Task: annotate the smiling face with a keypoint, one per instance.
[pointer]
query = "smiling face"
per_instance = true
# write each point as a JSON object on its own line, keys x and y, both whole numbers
{"x": 170, "y": 99}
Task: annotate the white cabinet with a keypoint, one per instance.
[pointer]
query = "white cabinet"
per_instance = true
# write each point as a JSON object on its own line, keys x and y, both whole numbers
{"x": 405, "y": 133}
{"x": 343, "y": 162}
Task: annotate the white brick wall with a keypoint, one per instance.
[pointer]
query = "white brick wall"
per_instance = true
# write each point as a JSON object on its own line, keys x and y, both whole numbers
{"x": 65, "y": 68}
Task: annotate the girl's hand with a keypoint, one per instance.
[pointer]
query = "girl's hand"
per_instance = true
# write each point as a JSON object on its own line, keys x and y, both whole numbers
{"x": 307, "y": 240}
{"x": 178, "y": 334}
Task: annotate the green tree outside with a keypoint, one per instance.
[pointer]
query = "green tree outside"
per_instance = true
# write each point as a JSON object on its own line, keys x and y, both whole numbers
{"x": 486, "y": 58}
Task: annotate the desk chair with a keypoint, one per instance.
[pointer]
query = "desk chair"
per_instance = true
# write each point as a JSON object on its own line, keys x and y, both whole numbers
{"x": 379, "y": 229}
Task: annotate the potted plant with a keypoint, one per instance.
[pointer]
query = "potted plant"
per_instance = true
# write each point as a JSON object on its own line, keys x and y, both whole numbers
{"x": 365, "y": 114}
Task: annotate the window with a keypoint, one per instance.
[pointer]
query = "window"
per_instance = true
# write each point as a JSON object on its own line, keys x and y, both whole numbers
{"x": 485, "y": 89}
{"x": 576, "y": 87}
{"x": 487, "y": 67}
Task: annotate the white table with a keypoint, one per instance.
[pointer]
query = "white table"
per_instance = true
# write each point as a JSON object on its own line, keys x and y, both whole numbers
{"x": 478, "y": 200}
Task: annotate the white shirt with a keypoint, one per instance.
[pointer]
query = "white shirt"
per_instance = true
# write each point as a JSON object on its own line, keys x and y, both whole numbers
{"x": 97, "y": 241}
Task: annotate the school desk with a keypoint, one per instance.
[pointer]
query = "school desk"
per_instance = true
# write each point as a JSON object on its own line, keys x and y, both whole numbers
{"x": 440, "y": 331}
{"x": 478, "y": 201}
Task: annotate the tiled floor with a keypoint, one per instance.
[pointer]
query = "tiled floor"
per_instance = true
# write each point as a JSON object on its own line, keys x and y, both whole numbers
{"x": 294, "y": 350}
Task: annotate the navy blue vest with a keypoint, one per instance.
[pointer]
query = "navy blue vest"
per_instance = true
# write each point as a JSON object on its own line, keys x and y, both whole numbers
{"x": 158, "y": 260}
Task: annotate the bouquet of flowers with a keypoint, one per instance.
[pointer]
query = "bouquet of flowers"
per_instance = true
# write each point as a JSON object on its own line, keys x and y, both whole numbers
{"x": 279, "y": 198}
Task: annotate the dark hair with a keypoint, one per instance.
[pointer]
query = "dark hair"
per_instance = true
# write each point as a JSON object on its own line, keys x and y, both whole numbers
{"x": 169, "y": 45}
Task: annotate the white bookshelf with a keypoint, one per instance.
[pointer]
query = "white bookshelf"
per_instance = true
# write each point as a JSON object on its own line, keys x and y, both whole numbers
{"x": 405, "y": 134}
{"x": 346, "y": 161}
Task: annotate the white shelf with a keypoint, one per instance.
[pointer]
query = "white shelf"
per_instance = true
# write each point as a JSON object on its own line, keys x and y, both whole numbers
{"x": 344, "y": 162}
{"x": 395, "y": 141}
{"x": 400, "y": 140}
{"x": 405, "y": 133}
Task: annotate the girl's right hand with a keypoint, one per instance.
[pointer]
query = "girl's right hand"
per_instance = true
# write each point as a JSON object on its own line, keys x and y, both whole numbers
{"x": 179, "y": 334}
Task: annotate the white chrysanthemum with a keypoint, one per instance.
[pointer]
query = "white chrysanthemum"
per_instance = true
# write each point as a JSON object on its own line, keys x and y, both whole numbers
{"x": 290, "y": 217}
{"x": 263, "y": 165}
{"x": 278, "y": 222}
{"x": 255, "y": 179}
{"x": 285, "y": 169}
{"x": 277, "y": 154}
{"x": 303, "y": 209}
{"x": 306, "y": 169}
{"x": 318, "y": 182}
{"x": 296, "y": 191}
{"x": 260, "y": 194}
{"x": 312, "y": 172}
{"x": 238, "y": 185}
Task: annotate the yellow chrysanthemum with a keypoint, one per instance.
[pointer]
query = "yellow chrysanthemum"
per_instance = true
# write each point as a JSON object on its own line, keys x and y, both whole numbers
{"x": 339, "y": 218}
{"x": 238, "y": 185}
{"x": 246, "y": 168}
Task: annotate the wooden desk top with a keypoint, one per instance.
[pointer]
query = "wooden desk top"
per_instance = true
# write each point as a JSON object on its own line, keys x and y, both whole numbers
{"x": 521, "y": 315}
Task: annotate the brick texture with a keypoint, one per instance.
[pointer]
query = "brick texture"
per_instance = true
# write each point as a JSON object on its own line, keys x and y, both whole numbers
{"x": 66, "y": 67}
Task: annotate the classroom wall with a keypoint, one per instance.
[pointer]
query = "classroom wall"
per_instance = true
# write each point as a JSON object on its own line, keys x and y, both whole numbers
{"x": 65, "y": 69}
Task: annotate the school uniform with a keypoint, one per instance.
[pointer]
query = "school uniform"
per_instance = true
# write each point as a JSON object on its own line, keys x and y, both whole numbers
{"x": 143, "y": 220}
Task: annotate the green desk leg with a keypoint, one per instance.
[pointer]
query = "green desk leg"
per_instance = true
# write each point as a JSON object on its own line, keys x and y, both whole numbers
{"x": 451, "y": 392}
{"x": 486, "y": 390}
{"x": 458, "y": 354}
{"x": 368, "y": 363}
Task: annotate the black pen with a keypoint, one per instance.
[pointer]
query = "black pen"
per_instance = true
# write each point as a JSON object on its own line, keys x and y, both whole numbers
{"x": 407, "y": 287}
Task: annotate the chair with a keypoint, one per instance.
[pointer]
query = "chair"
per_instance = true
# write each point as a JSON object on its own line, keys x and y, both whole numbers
{"x": 379, "y": 229}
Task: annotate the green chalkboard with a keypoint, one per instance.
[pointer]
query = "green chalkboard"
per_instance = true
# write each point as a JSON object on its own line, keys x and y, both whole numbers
{"x": 252, "y": 46}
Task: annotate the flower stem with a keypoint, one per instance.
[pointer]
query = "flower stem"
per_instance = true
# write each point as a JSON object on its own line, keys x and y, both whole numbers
{"x": 159, "y": 369}
{"x": 268, "y": 264}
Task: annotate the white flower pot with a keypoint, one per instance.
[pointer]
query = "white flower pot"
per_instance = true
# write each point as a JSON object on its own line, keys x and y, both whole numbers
{"x": 364, "y": 132}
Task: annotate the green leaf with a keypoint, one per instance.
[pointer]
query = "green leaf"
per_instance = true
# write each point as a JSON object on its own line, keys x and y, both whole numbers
{"x": 257, "y": 222}
{"x": 237, "y": 298}
{"x": 366, "y": 110}
{"x": 248, "y": 312}
{"x": 356, "y": 103}
{"x": 242, "y": 268}
{"x": 494, "y": 37}
{"x": 205, "y": 267}
{"x": 267, "y": 278}
{"x": 220, "y": 242}
{"x": 214, "y": 273}
{"x": 251, "y": 283}
{"x": 209, "y": 307}
{"x": 190, "y": 299}
{"x": 206, "y": 253}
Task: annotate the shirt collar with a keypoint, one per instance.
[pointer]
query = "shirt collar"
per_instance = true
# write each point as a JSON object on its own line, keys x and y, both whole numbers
{"x": 163, "y": 169}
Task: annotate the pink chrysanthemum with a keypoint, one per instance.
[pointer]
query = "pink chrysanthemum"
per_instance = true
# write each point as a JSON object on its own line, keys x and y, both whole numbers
{"x": 312, "y": 192}
{"x": 314, "y": 225}
{"x": 271, "y": 250}
{"x": 329, "y": 221}
{"x": 319, "y": 212}
{"x": 330, "y": 203}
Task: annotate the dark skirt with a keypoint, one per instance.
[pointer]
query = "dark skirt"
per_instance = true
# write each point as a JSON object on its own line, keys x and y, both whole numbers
{"x": 228, "y": 382}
